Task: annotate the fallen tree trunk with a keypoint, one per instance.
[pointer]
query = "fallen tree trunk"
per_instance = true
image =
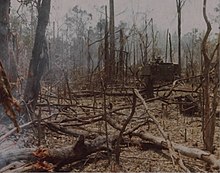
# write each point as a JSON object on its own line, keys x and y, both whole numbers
{"x": 57, "y": 157}
{"x": 16, "y": 155}
{"x": 81, "y": 149}
{"x": 186, "y": 151}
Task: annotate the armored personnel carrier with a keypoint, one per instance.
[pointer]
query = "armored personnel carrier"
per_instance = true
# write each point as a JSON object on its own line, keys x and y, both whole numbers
{"x": 158, "y": 72}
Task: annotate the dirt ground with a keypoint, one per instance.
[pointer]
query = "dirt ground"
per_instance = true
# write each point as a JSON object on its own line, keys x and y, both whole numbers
{"x": 182, "y": 129}
{"x": 136, "y": 155}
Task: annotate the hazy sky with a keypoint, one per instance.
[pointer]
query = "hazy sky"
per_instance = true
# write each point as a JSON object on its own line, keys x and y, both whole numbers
{"x": 163, "y": 11}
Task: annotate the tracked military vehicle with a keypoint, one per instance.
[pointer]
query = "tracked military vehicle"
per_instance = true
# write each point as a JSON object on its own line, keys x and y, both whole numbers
{"x": 158, "y": 72}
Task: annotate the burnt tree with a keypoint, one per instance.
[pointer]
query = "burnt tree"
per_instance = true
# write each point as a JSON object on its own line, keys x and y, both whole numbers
{"x": 153, "y": 40}
{"x": 171, "y": 50}
{"x": 208, "y": 119}
{"x": 111, "y": 73}
{"x": 121, "y": 57}
{"x": 179, "y": 5}
{"x": 7, "y": 61}
{"x": 39, "y": 56}
{"x": 4, "y": 32}
{"x": 106, "y": 51}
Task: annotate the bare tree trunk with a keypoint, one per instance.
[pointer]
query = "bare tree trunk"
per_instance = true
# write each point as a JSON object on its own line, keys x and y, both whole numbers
{"x": 4, "y": 33}
{"x": 88, "y": 57}
{"x": 126, "y": 65}
{"x": 146, "y": 50}
{"x": 32, "y": 25}
{"x": 153, "y": 41}
{"x": 134, "y": 55}
{"x": 7, "y": 59}
{"x": 179, "y": 5}
{"x": 134, "y": 61}
{"x": 192, "y": 57}
{"x": 171, "y": 51}
{"x": 209, "y": 121}
{"x": 53, "y": 46}
{"x": 215, "y": 99}
{"x": 106, "y": 61}
{"x": 112, "y": 42}
{"x": 12, "y": 63}
{"x": 167, "y": 38}
{"x": 121, "y": 58}
{"x": 179, "y": 35}
{"x": 39, "y": 56}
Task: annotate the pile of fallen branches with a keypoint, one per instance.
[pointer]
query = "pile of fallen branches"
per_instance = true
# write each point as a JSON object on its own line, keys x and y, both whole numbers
{"x": 85, "y": 124}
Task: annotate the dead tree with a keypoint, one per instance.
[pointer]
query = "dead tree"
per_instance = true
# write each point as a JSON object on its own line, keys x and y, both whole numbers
{"x": 171, "y": 50}
{"x": 179, "y": 5}
{"x": 153, "y": 40}
{"x": 5, "y": 58}
{"x": 106, "y": 53}
{"x": 4, "y": 32}
{"x": 111, "y": 74}
{"x": 167, "y": 38}
{"x": 146, "y": 50}
{"x": 208, "y": 120}
{"x": 39, "y": 56}
{"x": 121, "y": 57}
{"x": 88, "y": 56}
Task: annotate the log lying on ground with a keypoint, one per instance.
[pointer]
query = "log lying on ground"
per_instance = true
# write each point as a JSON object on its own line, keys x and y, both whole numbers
{"x": 81, "y": 149}
{"x": 16, "y": 155}
{"x": 13, "y": 166}
{"x": 186, "y": 151}
{"x": 56, "y": 156}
